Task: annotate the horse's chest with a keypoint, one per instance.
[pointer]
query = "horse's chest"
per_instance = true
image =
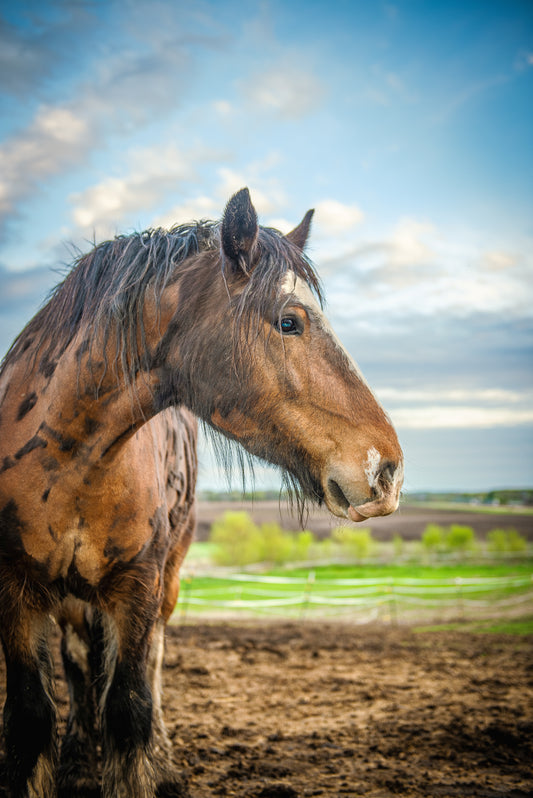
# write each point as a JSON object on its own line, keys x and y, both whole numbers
{"x": 81, "y": 548}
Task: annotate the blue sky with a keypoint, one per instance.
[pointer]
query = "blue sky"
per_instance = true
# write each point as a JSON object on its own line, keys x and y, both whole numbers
{"x": 407, "y": 125}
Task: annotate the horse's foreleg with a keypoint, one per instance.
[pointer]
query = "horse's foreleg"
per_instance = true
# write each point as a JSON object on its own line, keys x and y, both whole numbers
{"x": 29, "y": 710}
{"x": 81, "y": 651}
{"x": 127, "y": 708}
{"x": 128, "y": 755}
{"x": 165, "y": 769}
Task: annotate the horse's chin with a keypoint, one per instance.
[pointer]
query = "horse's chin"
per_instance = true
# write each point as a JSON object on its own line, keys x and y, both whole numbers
{"x": 356, "y": 516}
{"x": 364, "y": 511}
{"x": 372, "y": 510}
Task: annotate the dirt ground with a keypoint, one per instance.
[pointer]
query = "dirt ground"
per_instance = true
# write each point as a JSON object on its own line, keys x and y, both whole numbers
{"x": 287, "y": 710}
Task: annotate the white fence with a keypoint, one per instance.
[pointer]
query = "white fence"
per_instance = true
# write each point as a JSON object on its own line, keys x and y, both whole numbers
{"x": 360, "y": 600}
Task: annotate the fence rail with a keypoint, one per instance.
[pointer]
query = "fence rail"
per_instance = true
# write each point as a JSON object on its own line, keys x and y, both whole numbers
{"x": 364, "y": 599}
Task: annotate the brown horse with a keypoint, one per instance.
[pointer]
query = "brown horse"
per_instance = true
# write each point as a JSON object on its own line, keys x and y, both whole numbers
{"x": 99, "y": 397}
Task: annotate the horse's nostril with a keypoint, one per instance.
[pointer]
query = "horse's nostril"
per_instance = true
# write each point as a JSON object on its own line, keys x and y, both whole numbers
{"x": 386, "y": 474}
{"x": 338, "y": 494}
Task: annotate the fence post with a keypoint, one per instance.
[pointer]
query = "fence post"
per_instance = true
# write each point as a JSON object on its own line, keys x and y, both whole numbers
{"x": 187, "y": 585}
{"x": 460, "y": 604}
{"x": 393, "y": 605}
{"x": 307, "y": 592}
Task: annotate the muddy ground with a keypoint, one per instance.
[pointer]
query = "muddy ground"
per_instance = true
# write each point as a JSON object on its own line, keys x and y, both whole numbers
{"x": 283, "y": 710}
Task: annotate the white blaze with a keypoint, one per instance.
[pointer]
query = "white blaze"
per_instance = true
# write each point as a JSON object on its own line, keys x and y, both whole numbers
{"x": 372, "y": 465}
{"x": 295, "y": 285}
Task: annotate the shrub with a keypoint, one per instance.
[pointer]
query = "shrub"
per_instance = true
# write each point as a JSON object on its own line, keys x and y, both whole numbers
{"x": 399, "y": 545}
{"x": 276, "y": 545}
{"x": 460, "y": 538}
{"x": 322, "y": 549}
{"x": 497, "y": 540}
{"x": 356, "y": 543}
{"x": 515, "y": 541}
{"x": 433, "y": 537}
{"x": 301, "y": 545}
{"x": 505, "y": 540}
{"x": 237, "y": 539}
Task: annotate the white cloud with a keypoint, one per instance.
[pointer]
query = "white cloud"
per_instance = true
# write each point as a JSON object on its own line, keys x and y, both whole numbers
{"x": 122, "y": 88}
{"x": 281, "y": 224}
{"x": 460, "y": 417}
{"x": 223, "y": 107}
{"x": 267, "y": 195}
{"x": 56, "y": 138}
{"x": 457, "y": 408}
{"x": 392, "y": 260}
{"x": 289, "y": 90}
{"x": 152, "y": 174}
{"x": 482, "y": 395}
{"x": 201, "y": 207}
{"x": 498, "y": 261}
{"x": 408, "y": 243}
{"x": 61, "y": 125}
{"x": 333, "y": 217}
{"x": 419, "y": 269}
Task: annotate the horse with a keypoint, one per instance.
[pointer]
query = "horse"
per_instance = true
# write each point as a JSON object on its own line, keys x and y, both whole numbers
{"x": 100, "y": 396}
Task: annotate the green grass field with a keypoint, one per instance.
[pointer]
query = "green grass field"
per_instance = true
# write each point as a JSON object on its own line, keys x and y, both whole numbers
{"x": 391, "y": 592}
{"x": 520, "y": 627}
{"x": 414, "y": 570}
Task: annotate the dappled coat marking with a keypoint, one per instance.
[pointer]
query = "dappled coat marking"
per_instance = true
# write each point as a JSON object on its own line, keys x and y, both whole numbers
{"x": 99, "y": 397}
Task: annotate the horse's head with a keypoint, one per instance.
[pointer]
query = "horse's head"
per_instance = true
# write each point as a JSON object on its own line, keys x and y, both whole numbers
{"x": 262, "y": 365}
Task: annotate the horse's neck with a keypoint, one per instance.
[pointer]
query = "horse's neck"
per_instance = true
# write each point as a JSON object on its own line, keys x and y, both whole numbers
{"x": 81, "y": 411}
{"x": 102, "y": 414}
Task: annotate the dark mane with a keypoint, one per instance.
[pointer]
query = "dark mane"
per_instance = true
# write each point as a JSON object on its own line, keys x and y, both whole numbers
{"x": 105, "y": 289}
{"x": 103, "y": 297}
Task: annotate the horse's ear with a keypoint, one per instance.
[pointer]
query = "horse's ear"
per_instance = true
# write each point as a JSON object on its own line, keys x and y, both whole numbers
{"x": 239, "y": 231}
{"x": 300, "y": 234}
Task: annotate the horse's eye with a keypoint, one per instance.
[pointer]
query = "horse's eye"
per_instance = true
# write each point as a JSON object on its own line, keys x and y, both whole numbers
{"x": 288, "y": 326}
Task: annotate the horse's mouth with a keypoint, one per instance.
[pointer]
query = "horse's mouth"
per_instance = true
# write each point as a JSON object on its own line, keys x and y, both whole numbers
{"x": 382, "y": 502}
{"x": 340, "y": 505}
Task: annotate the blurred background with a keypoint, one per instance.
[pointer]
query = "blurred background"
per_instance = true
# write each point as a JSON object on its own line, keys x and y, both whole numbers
{"x": 407, "y": 125}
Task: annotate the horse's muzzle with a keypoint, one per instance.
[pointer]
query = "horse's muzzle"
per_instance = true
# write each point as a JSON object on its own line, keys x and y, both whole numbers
{"x": 359, "y": 496}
